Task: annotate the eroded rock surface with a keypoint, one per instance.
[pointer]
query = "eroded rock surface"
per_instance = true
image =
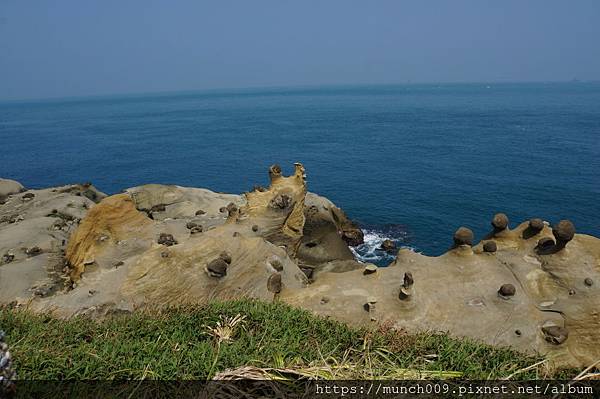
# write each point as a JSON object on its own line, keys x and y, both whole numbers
{"x": 70, "y": 250}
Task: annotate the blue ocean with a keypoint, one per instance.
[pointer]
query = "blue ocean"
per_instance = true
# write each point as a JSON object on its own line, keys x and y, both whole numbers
{"x": 408, "y": 162}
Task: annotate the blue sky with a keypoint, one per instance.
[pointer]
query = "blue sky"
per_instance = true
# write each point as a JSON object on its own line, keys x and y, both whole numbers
{"x": 71, "y": 48}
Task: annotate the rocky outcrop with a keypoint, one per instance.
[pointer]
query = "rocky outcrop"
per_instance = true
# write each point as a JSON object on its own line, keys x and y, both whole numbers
{"x": 533, "y": 287}
{"x": 9, "y": 187}
{"x": 35, "y": 226}
{"x": 512, "y": 296}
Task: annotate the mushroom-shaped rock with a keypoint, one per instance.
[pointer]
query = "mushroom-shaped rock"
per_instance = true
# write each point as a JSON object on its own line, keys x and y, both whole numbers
{"x": 166, "y": 239}
{"x": 555, "y": 334}
{"x": 588, "y": 281}
{"x": 388, "y": 245}
{"x": 8, "y": 257}
{"x": 563, "y": 231}
{"x": 33, "y": 251}
{"x": 507, "y": 290}
{"x": 490, "y": 246}
{"x": 370, "y": 269}
{"x": 463, "y": 236}
{"x": 404, "y": 294}
{"x": 274, "y": 171}
{"x": 500, "y": 222}
{"x": 226, "y": 257}
{"x": 28, "y": 196}
{"x": 369, "y": 306}
{"x": 232, "y": 208}
{"x": 536, "y": 224}
{"x": 274, "y": 283}
{"x": 408, "y": 280}
{"x": 217, "y": 268}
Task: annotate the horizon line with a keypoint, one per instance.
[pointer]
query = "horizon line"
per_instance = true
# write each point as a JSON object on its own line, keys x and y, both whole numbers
{"x": 279, "y": 87}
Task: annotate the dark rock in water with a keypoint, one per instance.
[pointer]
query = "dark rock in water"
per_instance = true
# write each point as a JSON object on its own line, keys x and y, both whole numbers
{"x": 281, "y": 201}
{"x": 225, "y": 256}
{"x": 490, "y": 246}
{"x": 166, "y": 239}
{"x": 276, "y": 263}
{"x": 217, "y": 268}
{"x": 545, "y": 243}
{"x": 274, "y": 283}
{"x": 588, "y": 281}
{"x": 199, "y": 212}
{"x": 255, "y": 228}
{"x": 408, "y": 280}
{"x": 33, "y": 251}
{"x": 353, "y": 236}
{"x": 555, "y": 335}
{"x": 500, "y": 222}
{"x": 463, "y": 236}
{"x": 507, "y": 290}
{"x": 563, "y": 231}
{"x": 196, "y": 230}
{"x": 388, "y": 246}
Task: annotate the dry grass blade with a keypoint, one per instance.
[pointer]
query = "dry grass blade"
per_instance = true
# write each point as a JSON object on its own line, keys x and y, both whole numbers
{"x": 526, "y": 369}
{"x": 224, "y": 330}
{"x": 341, "y": 372}
{"x": 585, "y": 374}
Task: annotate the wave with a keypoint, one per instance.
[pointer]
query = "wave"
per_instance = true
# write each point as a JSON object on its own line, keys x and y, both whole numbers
{"x": 370, "y": 251}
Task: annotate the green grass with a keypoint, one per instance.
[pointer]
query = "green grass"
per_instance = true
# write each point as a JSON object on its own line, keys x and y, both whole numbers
{"x": 178, "y": 344}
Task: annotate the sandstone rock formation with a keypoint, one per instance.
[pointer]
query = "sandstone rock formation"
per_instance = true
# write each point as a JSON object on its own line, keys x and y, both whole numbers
{"x": 532, "y": 287}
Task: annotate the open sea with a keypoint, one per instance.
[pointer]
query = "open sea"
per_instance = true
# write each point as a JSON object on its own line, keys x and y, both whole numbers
{"x": 408, "y": 162}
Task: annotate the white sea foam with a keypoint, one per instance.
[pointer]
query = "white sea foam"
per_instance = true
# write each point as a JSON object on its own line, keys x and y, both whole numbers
{"x": 370, "y": 251}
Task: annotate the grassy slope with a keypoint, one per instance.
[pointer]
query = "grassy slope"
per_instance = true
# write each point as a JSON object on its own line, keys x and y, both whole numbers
{"x": 177, "y": 344}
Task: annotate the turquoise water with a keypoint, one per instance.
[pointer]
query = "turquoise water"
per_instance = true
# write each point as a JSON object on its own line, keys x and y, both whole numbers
{"x": 409, "y": 162}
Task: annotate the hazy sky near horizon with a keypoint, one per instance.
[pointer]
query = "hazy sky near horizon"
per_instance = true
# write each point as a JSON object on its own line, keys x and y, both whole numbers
{"x": 73, "y": 48}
